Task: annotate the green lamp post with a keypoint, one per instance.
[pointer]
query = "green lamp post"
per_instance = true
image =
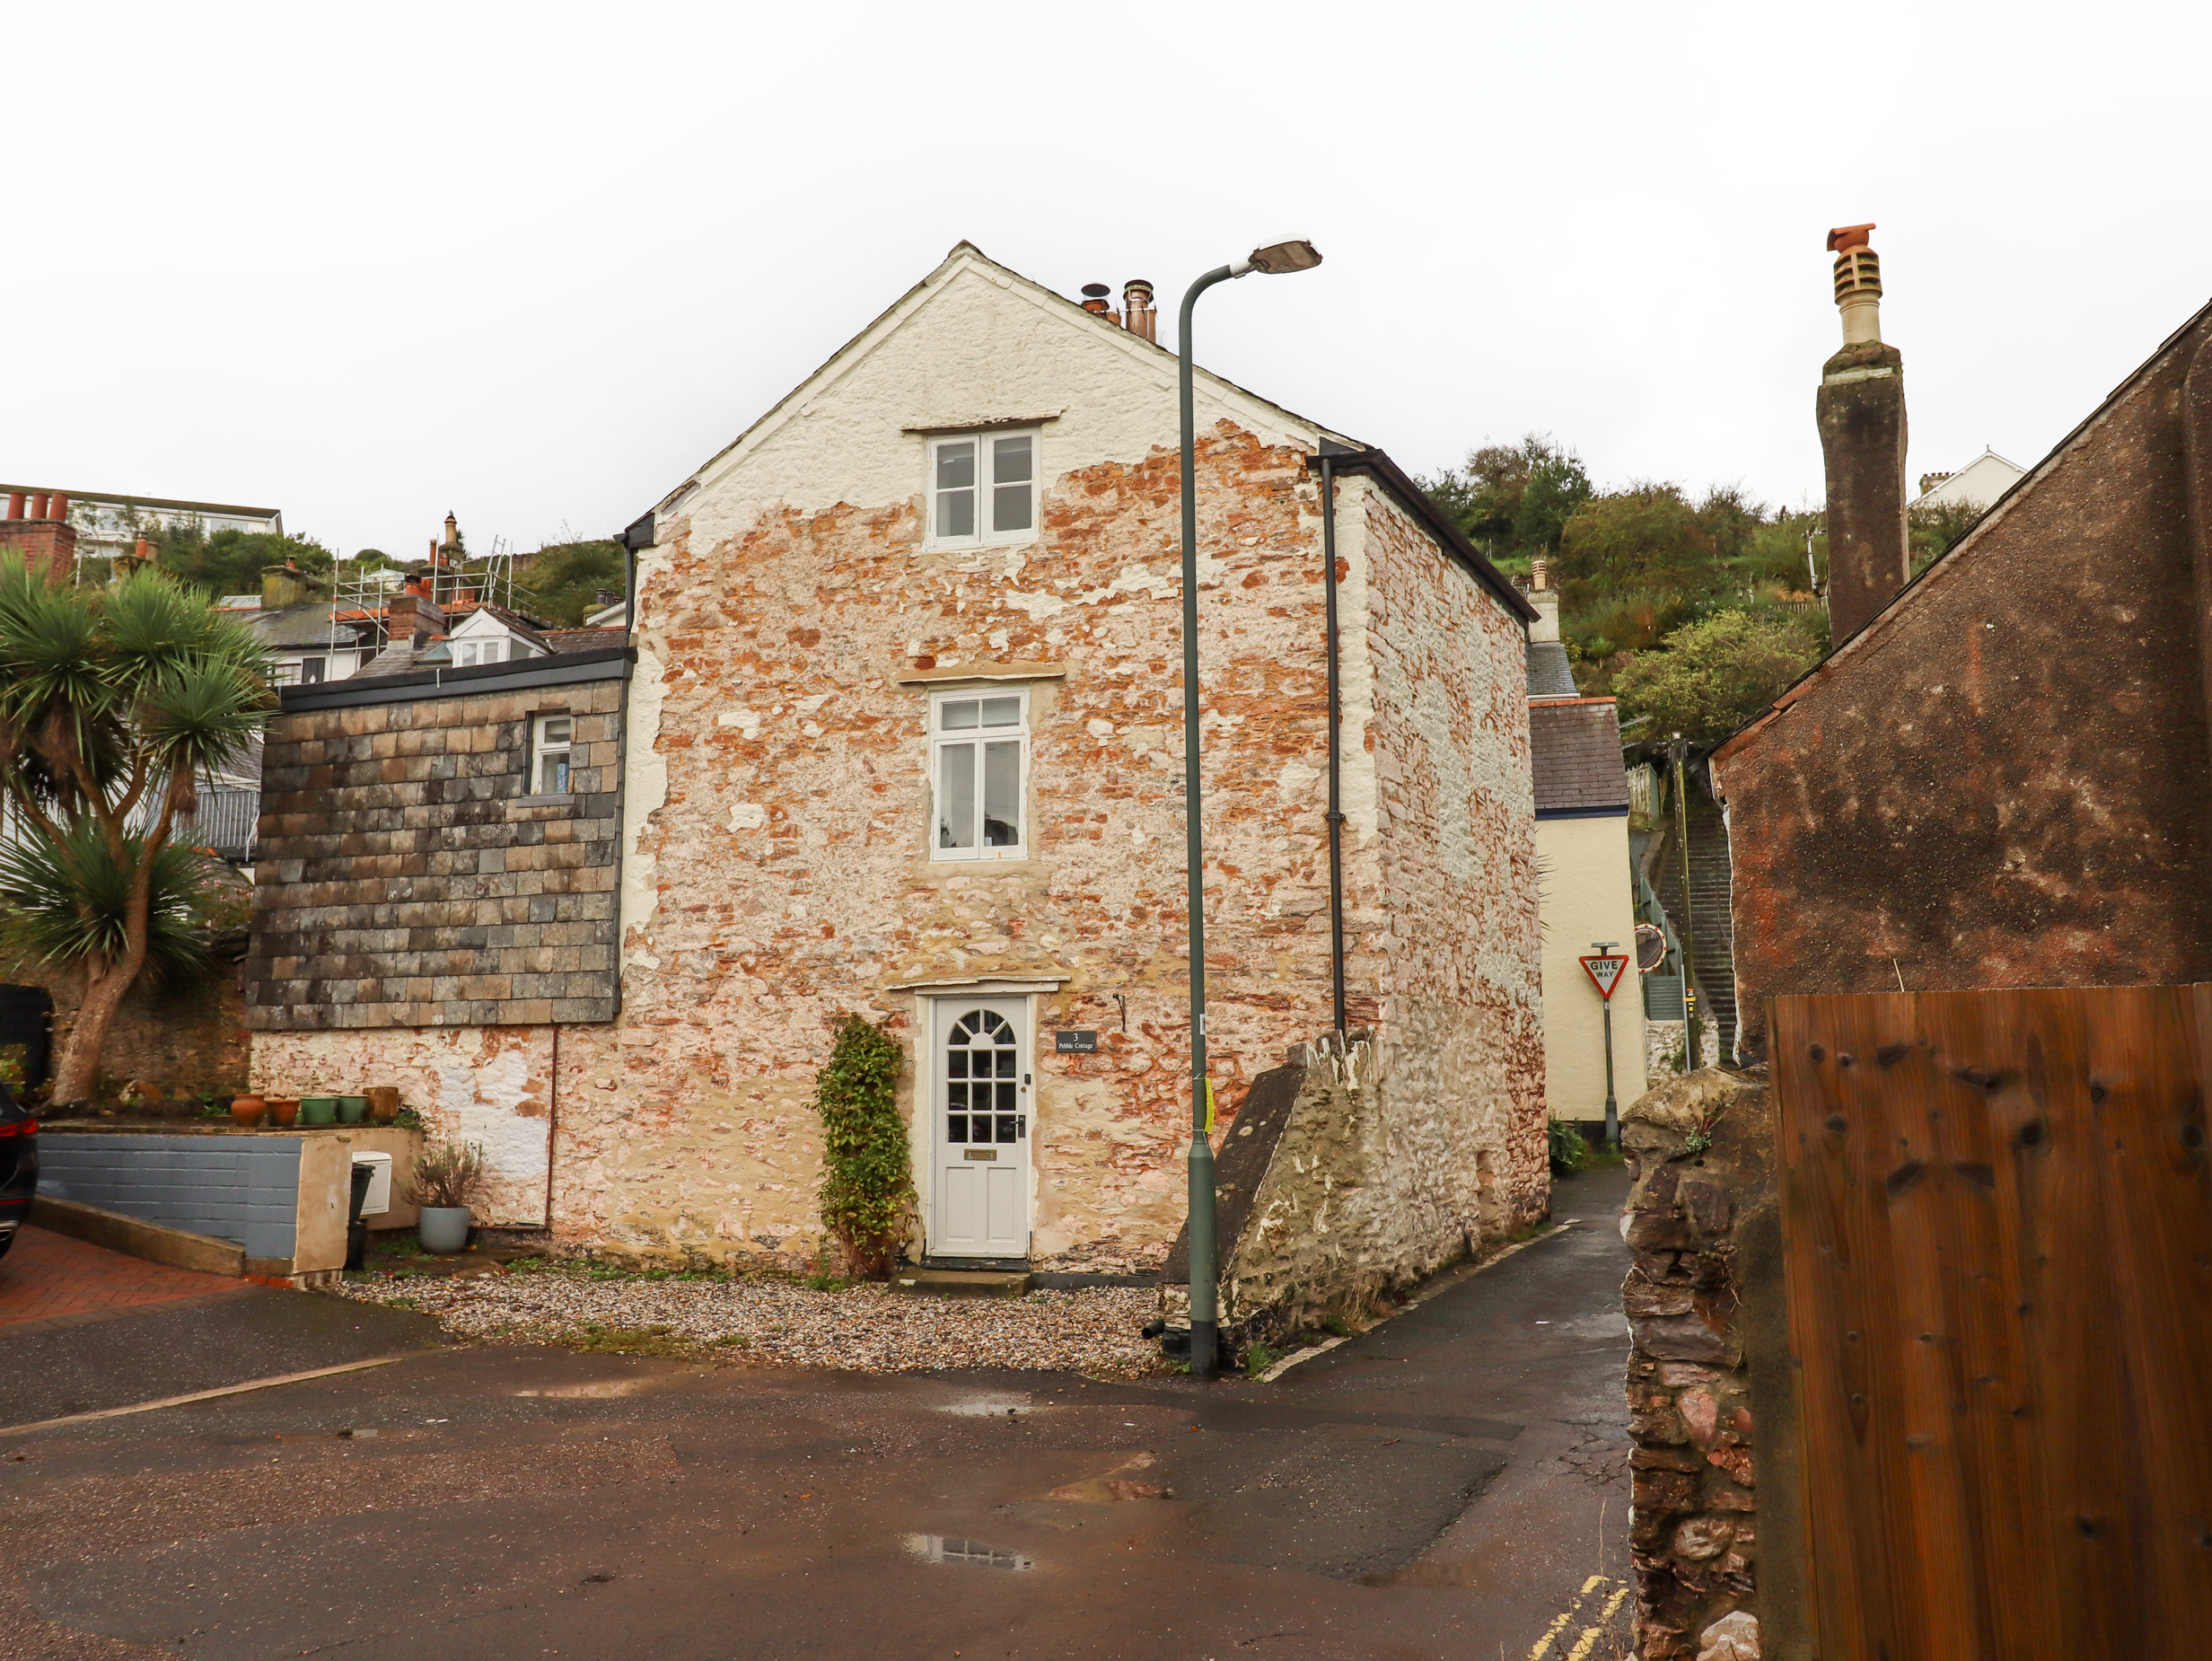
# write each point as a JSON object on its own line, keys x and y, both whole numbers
{"x": 1275, "y": 259}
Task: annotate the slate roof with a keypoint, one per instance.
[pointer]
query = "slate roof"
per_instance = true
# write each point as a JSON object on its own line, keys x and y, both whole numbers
{"x": 1575, "y": 747}
{"x": 304, "y": 624}
{"x": 1549, "y": 673}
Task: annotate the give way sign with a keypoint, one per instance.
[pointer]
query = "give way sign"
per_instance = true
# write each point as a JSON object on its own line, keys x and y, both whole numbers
{"x": 1604, "y": 969}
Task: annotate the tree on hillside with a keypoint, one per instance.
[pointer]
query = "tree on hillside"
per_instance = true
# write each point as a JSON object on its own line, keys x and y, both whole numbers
{"x": 1713, "y": 676}
{"x": 561, "y": 582}
{"x": 1511, "y": 500}
{"x": 1646, "y": 537}
{"x": 1932, "y": 531}
{"x": 230, "y": 561}
{"x": 115, "y": 703}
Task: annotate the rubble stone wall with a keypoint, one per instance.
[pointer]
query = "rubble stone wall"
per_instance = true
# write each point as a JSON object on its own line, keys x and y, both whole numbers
{"x": 1363, "y": 1194}
{"x": 1449, "y": 928}
{"x": 793, "y": 619}
{"x": 187, "y": 1038}
{"x": 1701, "y": 1156}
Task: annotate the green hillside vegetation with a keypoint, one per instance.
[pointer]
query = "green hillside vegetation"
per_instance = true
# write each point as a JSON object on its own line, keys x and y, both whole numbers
{"x": 1646, "y": 571}
{"x": 561, "y": 581}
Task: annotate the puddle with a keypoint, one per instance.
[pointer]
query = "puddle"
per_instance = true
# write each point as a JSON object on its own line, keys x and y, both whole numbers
{"x": 598, "y": 1389}
{"x": 947, "y": 1549}
{"x": 1116, "y": 1484}
{"x": 989, "y": 1407}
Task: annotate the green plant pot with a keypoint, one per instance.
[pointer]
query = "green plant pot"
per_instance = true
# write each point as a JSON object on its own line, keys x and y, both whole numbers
{"x": 319, "y": 1109}
{"x": 353, "y": 1110}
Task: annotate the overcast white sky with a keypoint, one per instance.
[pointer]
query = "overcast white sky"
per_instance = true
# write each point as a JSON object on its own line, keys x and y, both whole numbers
{"x": 534, "y": 263}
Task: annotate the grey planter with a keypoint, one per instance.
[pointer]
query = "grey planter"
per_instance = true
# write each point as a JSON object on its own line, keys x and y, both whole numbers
{"x": 443, "y": 1228}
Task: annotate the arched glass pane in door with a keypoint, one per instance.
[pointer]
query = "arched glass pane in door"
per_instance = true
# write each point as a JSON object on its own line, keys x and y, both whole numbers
{"x": 982, "y": 1080}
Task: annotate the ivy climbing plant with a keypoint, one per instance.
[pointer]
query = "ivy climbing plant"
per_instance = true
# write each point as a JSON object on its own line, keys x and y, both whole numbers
{"x": 867, "y": 1188}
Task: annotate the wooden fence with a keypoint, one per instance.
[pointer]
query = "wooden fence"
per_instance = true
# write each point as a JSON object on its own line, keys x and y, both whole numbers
{"x": 1996, "y": 1234}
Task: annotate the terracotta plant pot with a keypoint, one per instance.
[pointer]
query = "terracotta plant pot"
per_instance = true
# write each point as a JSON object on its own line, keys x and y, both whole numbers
{"x": 282, "y": 1111}
{"x": 353, "y": 1110}
{"x": 246, "y": 1110}
{"x": 383, "y": 1104}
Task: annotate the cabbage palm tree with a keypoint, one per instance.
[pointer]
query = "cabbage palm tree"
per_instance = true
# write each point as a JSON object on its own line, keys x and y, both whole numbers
{"x": 115, "y": 703}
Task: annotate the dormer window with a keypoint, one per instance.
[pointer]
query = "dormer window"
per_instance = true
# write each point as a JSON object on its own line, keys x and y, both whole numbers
{"x": 470, "y": 652}
{"x": 982, "y": 488}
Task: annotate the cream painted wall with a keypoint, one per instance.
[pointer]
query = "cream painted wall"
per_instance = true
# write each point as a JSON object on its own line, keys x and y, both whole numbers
{"x": 1586, "y": 897}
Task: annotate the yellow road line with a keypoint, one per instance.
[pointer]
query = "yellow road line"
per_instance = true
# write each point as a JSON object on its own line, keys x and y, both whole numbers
{"x": 1588, "y": 1635}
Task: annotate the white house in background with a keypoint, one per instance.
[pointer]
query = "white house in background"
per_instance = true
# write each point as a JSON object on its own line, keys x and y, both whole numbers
{"x": 1976, "y": 484}
{"x": 1586, "y": 880}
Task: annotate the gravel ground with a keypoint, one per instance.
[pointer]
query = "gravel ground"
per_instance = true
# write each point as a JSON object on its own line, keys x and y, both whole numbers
{"x": 862, "y": 1328}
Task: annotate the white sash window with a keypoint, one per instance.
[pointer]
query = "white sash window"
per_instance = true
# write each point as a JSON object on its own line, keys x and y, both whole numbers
{"x": 978, "y": 775}
{"x": 982, "y": 488}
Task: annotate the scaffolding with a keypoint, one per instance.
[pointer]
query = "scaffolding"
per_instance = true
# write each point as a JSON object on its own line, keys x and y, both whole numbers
{"x": 456, "y": 587}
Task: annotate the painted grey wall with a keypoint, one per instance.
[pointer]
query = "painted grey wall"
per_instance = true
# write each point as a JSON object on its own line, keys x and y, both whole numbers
{"x": 235, "y": 1188}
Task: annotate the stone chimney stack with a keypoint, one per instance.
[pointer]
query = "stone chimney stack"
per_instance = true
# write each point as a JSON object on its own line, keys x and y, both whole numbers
{"x": 1861, "y": 408}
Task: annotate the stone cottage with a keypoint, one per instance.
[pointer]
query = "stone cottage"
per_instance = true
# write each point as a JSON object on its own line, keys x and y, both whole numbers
{"x": 902, "y": 738}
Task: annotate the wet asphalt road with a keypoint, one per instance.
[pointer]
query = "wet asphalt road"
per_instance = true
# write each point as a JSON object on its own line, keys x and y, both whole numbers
{"x": 1447, "y": 1485}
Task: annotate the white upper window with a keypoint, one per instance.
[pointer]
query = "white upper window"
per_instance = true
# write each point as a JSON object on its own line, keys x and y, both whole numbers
{"x": 978, "y": 775}
{"x": 488, "y": 650}
{"x": 549, "y": 755}
{"x": 982, "y": 488}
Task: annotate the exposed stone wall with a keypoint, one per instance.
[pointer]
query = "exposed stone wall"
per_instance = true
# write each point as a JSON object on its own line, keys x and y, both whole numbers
{"x": 1701, "y": 1156}
{"x": 490, "y": 1085}
{"x": 1365, "y": 1192}
{"x": 1447, "y": 921}
{"x": 186, "y": 1037}
{"x": 791, "y": 855}
{"x": 408, "y": 876}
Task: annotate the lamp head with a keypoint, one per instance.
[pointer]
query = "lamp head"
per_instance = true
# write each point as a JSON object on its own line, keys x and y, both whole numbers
{"x": 1278, "y": 258}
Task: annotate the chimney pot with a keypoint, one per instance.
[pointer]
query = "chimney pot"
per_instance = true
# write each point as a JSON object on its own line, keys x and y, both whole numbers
{"x": 1094, "y": 297}
{"x": 1858, "y": 284}
{"x": 1540, "y": 574}
{"x": 1137, "y": 301}
{"x": 37, "y": 504}
{"x": 16, "y": 505}
{"x": 57, "y": 506}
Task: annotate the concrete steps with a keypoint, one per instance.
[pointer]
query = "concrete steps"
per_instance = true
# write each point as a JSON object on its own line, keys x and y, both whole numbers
{"x": 959, "y": 1283}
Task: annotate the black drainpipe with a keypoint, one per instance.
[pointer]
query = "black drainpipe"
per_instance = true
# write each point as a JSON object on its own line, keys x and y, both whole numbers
{"x": 636, "y": 535}
{"x": 1336, "y": 804}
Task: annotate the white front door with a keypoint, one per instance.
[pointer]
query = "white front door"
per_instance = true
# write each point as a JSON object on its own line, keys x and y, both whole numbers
{"x": 980, "y": 1081}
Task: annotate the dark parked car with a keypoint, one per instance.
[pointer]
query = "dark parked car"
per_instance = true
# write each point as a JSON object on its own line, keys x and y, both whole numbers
{"x": 19, "y": 1165}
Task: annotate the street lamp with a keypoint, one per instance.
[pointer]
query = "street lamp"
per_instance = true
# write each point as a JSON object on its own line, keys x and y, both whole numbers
{"x": 1275, "y": 259}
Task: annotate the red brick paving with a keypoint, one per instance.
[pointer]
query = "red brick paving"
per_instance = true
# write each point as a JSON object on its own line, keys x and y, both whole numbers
{"x": 45, "y": 1275}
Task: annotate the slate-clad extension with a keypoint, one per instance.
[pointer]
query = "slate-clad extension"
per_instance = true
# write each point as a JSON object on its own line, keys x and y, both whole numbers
{"x": 410, "y": 877}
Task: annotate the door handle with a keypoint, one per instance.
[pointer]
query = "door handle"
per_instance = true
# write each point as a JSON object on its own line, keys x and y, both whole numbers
{"x": 1021, "y": 1126}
